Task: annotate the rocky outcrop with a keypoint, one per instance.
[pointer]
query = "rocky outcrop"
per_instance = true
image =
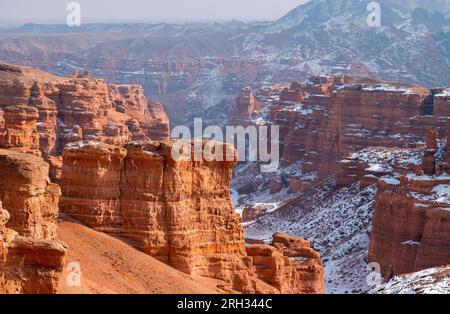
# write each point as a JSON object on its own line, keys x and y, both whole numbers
{"x": 411, "y": 225}
{"x": 31, "y": 261}
{"x": 289, "y": 264}
{"x": 246, "y": 106}
{"x": 19, "y": 130}
{"x": 328, "y": 118}
{"x": 429, "y": 160}
{"x": 411, "y": 221}
{"x": 178, "y": 211}
{"x": 28, "y": 195}
{"x": 78, "y": 108}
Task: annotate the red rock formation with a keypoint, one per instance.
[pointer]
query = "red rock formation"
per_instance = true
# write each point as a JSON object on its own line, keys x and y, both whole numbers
{"x": 442, "y": 103}
{"x": 245, "y": 107}
{"x": 411, "y": 222}
{"x": 80, "y": 108}
{"x": 289, "y": 264}
{"x": 410, "y": 226}
{"x": 177, "y": 211}
{"x": 19, "y": 130}
{"x": 31, "y": 261}
{"x": 429, "y": 162}
{"x": 339, "y": 115}
{"x": 28, "y": 195}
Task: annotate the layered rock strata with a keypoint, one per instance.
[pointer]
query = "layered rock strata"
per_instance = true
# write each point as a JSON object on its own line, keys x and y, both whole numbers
{"x": 289, "y": 264}
{"x": 326, "y": 118}
{"x": 31, "y": 261}
{"x": 78, "y": 108}
{"x": 411, "y": 219}
{"x": 28, "y": 195}
{"x": 178, "y": 211}
{"x": 19, "y": 130}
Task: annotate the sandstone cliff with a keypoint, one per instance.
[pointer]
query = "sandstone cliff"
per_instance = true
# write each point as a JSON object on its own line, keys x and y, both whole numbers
{"x": 289, "y": 264}
{"x": 326, "y": 118}
{"x": 78, "y": 108}
{"x": 31, "y": 261}
{"x": 411, "y": 222}
{"x": 410, "y": 227}
{"x": 19, "y": 130}
{"x": 177, "y": 211}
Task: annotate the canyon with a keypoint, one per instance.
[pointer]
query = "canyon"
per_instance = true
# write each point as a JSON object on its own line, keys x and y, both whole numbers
{"x": 125, "y": 184}
{"x": 364, "y": 161}
{"x": 363, "y": 175}
{"x": 31, "y": 259}
{"x": 196, "y": 69}
{"x": 180, "y": 212}
{"x": 72, "y": 109}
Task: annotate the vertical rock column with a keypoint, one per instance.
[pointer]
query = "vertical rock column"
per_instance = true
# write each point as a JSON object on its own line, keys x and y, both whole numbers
{"x": 19, "y": 132}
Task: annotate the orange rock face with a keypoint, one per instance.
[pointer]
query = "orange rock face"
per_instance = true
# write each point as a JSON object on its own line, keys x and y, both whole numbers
{"x": 80, "y": 108}
{"x": 28, "y": 195}
{"x": 289, "y": 264}
{"x": 330, "y": 117}
{"x": 31, "y": 261}
{"x": 411, "y": 221}
{"x": 410, "y": 226}
{"x": 19, "y": 130}
{"x": 177, "y": 211}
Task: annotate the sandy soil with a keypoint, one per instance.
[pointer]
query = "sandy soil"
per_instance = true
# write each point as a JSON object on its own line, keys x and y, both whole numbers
{"x": 109, "y": 265}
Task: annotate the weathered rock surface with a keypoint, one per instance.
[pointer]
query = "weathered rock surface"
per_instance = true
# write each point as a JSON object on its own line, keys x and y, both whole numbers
{"x": 289, "y": 264}
{"x": 31, "y": 261}
{"x": 411, "y": 225}
{"x": 246, "y": 106}
{"x": 78, "y": 108}
{"x": 28, "y": 195}
{"x": 178, "y": 211}
{"x": 19, "y": 130}
{"x": 327, "y": 118}
{"x": 411, "y": 229}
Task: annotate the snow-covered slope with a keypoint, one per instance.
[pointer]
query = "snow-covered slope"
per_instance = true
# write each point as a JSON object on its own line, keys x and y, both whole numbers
{"x": 428, "y": 281}
{"x": 331, "y": 36}
{"x": 337, "y": 223}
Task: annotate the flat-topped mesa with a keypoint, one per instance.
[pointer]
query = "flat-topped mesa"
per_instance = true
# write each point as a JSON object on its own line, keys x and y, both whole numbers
{"x": 19, "y": 130}
{"x": 178, "y": 211}
{"x": 82, "y": 108}
{"x": 31, "y": 261}
{"x": 376, "y": 114}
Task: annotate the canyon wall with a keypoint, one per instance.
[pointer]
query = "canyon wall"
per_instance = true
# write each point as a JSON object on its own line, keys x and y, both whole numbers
{"x": 31, "y": 261}
{"x": 324, "y": 119}
{"x": 19, "y": 132}
{"x": 289, "y": 264}
{"x": 178, "y": 211}
{"x": 411, "y": 219}
{"x": 77, "y": 108}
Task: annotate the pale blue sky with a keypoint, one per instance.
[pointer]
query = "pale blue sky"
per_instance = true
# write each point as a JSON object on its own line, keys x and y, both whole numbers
{"x": 54, "y": 11}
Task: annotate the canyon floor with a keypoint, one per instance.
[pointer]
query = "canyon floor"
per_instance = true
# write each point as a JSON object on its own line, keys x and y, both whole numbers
{"x": 111, "y": 266}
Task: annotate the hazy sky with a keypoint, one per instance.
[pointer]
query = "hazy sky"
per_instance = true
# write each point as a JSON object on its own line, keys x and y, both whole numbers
{"x": 54, "y": 11}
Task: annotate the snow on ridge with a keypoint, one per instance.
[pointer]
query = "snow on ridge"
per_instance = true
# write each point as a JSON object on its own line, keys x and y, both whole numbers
{"x": 429, "y": 281}
{"x": 444, "y": 93}
{"x": 387, "y": 88}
